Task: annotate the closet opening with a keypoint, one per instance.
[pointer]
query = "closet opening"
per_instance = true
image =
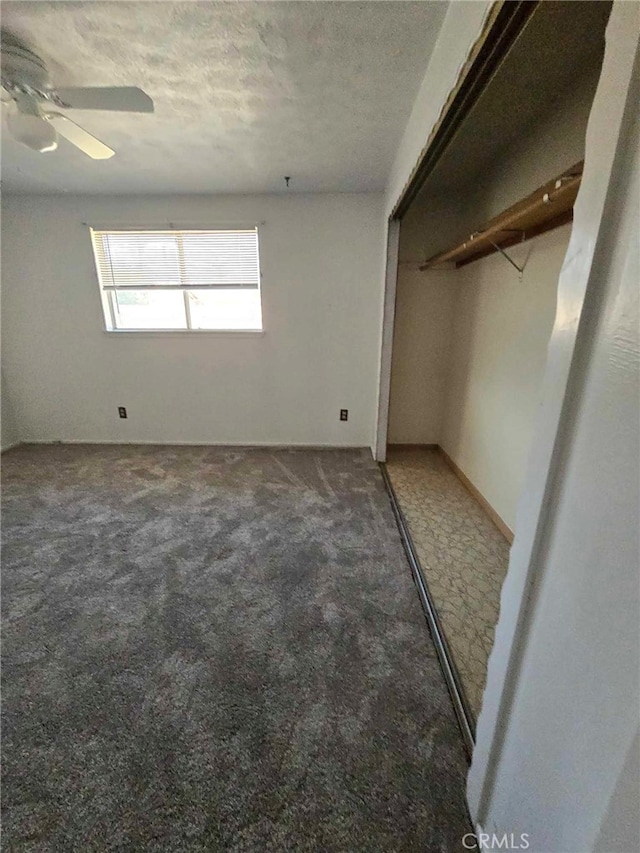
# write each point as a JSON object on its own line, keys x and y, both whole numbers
{"x": 481, "y": 245}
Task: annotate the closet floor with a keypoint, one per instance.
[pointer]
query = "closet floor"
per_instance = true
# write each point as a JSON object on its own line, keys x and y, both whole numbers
{"x": 464, "y": 557}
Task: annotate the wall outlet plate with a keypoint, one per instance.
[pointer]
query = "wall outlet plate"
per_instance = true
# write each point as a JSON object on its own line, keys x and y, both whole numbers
{"x": 122, "y": 412}
{"x": 344, "y": 414}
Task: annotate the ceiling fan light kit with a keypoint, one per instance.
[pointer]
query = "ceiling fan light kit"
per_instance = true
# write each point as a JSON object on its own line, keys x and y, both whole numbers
{"x": 36, "y": 121}
{"x": 33, "y": 131}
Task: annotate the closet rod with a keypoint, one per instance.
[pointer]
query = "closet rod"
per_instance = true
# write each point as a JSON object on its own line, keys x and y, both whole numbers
{"x": 548, "y": 207}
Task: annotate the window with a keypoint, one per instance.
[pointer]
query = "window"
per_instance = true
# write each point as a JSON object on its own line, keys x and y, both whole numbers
{"x": 179, "y": 280}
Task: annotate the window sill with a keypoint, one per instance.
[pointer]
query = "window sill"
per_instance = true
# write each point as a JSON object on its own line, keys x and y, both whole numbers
{"x": 182, "y": 332}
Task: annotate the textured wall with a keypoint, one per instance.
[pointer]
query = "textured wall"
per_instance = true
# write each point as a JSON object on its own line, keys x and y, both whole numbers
{"x": 568, "y": 765}
{"x": 321, "y": 257}
{"x": 555, "y": 739}
{"x": 503, "y": 325}
{"x": 501, "y": 333}
{"x": 421, "y": 354}
{"x": 9, "y": 434}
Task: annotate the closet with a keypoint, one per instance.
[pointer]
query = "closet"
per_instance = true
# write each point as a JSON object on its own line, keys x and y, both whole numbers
{"x": 481, "y": 248}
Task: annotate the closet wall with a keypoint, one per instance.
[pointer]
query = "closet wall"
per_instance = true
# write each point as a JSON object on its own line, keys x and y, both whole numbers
{"x": 425, "y": 303}
{"x": 502, "y": 328}
{"x": 470, "y": 344}
{"x": 503, "y": 325}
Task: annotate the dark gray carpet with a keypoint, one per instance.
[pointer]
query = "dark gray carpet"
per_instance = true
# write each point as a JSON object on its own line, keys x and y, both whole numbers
{"x": 217, "y": 649}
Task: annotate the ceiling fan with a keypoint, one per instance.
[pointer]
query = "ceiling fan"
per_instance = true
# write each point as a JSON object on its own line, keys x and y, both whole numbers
{"x": 36, "y": 121}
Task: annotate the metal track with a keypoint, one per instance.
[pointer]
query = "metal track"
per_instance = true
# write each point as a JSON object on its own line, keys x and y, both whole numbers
{"x": 449, "y": 669}
{"x": 509, "y": 23}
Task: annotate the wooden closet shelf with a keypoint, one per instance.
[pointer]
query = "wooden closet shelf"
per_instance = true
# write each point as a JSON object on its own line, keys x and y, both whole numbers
{"x": 549, "y": 207}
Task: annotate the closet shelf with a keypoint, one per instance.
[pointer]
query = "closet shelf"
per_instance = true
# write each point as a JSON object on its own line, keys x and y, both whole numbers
{"x": 549, "y": 207}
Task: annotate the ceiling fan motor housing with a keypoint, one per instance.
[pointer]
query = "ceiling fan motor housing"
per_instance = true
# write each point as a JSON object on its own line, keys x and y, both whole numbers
{"x": 23, "y": 71}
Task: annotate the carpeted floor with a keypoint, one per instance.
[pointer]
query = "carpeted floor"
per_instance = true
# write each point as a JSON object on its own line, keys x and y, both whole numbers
{"x": 216, "y": 649}
{"x": 464, "y": 557}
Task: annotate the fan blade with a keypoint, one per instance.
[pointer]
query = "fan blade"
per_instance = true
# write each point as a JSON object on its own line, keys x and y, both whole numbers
{"x": 127, "y": 99}
{"x": 80, "y": 137}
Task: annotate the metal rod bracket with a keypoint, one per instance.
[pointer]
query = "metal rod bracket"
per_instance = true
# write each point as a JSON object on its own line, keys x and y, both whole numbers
{"x": 504, "y": 254}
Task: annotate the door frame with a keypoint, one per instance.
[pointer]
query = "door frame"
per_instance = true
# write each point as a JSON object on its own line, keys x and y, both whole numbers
{"x": 386, "y": 351}
{"x": 578, "y": 306}
{"x": 577, "y": 290}
{"x": 504, "y": 22}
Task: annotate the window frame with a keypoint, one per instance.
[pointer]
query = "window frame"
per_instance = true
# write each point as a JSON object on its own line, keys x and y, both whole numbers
{"x": 108, "y": 295}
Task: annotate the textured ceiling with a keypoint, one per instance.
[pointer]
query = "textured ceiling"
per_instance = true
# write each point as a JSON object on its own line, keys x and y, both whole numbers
{"x": 245, "y": 92}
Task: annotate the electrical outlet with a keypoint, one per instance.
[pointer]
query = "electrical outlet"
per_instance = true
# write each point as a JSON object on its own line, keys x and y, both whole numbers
{"x": 122, "y": 411}
{"x": 344, "y": 414}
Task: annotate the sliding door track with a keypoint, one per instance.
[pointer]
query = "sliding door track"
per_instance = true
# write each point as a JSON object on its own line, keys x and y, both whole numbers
{"x": 449, "y": 670}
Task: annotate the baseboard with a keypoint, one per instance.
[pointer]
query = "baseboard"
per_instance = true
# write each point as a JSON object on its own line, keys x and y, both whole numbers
{"x": 502, "y": 526}
{"x": 10, "y": 446}
{"x": 236, "y": 445}
{"x": 413, "y": 446}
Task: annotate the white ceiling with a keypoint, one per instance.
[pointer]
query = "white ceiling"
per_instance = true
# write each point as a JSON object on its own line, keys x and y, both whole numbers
{"x": 245, "y": 93}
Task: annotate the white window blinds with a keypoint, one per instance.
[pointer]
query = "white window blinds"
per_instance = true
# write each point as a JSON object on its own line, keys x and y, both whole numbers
{"x": 185, "y": 260}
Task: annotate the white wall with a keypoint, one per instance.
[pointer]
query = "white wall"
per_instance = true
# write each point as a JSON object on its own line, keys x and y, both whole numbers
{"x": 9, "y": 434}
{"x": 557, "y": 738}
{"x": 551, "y": 146}
{"x": 569, "y": 762}
{"x": 423, "y": 326}
{"x": 503, "y": 325}
{"x": 502, "y": 329}
{"x": 321, "y": 257}
{"x": 421, "y": 352}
